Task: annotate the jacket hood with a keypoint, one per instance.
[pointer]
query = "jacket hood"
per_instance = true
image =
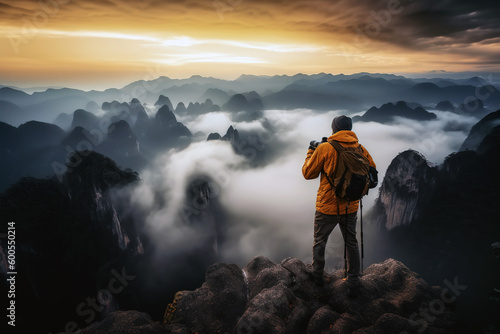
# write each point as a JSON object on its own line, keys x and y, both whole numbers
{"x": 344, "y": 136}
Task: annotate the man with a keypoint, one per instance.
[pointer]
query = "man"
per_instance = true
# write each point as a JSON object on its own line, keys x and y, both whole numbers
{"x": 331, "y": 210}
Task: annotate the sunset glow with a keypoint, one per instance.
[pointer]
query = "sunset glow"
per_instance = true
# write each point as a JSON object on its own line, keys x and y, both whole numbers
{"x": 86, "y": 43}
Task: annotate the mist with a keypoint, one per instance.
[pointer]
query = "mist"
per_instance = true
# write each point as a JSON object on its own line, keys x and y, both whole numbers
{"x": 270, "y": 207}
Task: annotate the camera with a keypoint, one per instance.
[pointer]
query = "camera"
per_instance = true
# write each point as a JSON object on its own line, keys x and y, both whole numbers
{"x": 313, "y": 144}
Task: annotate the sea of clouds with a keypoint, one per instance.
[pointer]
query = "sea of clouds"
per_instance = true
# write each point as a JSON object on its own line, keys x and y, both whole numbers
{"x": 269, "y": 205}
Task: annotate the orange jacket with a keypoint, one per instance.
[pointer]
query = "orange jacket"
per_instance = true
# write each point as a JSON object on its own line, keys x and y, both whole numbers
{"x": 324, "y": 159}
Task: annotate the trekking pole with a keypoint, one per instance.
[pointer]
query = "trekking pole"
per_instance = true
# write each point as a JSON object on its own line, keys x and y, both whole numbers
{"x": 345, "y": 243}
{"x": 362, "y": 245}
{"x": 345, "y": 259}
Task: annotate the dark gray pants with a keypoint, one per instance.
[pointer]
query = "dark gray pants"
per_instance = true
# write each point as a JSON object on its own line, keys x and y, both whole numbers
{"x": 323, "y": 226}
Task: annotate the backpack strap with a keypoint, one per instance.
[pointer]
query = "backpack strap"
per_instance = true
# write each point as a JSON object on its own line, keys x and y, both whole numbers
{"x": 339, "y": 149}
{"x": 336, "y": 145}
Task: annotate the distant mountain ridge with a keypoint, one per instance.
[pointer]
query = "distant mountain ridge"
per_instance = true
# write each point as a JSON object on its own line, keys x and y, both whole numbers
{"x": 387, "y": 113}
{"x": 320, "y": 91}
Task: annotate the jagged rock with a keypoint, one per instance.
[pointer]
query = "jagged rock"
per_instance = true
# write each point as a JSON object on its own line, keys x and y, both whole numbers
{"x": 126, "y": 322}
{"x": 405, "y": 188}
{"x": 266, "y": 297}
{"x": 216, "y": 305}
{"x": 323, "y": 320}
{"x": 231, "y": 135}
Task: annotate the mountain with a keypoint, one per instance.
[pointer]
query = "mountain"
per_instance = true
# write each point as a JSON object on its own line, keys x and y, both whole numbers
{"x": 445, "y": 106}
{"x": 244, "y": 110}
{"x": 480, "y": 130}
{"x": 30, "y": 150}
{"x": 9, "y": 137}
{"x": 294, "y": 97}
{"x": 474, "y": 107}
{"x": 85, "y": 119}
{"x": 180, "y": 109}
{"x": 265, "y": 297}
{"x": 231, "y": 136}
{"x": 195, "y": 109}
{"x": 218, "y": 96}
{"x": 73, "y": 239}
{"x": 441, "y": 220}
{"x": 14, "y": 96}
{"x": 428, "y": 93}
{"x": 11, "y": 113}
{"x": 122, "y": 145}
{"x": 63, "y": 121}
{"x": 165, "y": 131}
{"x": 76, "y": 137}
{"x": 163, "y": 100}
{"x": 387, "y": 112}
{"x": 139, "y": 118}
{"x": 116, "y": 107}
{"x": 47, "y": 110}
{"x": 39, "y": 134}
{"x": 320, "y": 91}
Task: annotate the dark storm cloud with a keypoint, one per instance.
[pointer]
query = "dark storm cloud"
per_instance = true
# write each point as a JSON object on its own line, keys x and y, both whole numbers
{"x": 429, "y": 24}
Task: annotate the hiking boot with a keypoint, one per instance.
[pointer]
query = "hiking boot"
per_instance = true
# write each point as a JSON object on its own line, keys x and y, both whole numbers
{"x": 317, "y": 278}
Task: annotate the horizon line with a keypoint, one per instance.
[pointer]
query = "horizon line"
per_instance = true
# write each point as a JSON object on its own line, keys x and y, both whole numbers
{"x": 428, "y": 75}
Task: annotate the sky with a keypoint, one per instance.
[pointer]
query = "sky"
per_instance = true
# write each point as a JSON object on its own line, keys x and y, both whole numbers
{"x": 109, "y": 43}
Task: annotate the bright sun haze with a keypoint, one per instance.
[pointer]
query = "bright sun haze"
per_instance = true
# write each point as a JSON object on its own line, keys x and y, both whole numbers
{"x": 94, "y": 44}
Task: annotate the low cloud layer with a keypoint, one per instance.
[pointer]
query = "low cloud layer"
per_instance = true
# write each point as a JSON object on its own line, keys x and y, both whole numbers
{"x": 270, "y": 208}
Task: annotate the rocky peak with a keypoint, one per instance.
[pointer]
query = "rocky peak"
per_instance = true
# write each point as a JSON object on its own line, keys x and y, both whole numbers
{"x": 181, "y": 108}
{"x": 165, "y": 118}
{"x": 268, "y": 297}
{"x": 480, "y": 130}
{"x": 85, "y": 119}
{"x": 407, "y": 182}
{"x": 95, "y": 170}
{"x": 163, "y": 100}
{"x": 231, "y": 135}
{"x": 387, "y": 112}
